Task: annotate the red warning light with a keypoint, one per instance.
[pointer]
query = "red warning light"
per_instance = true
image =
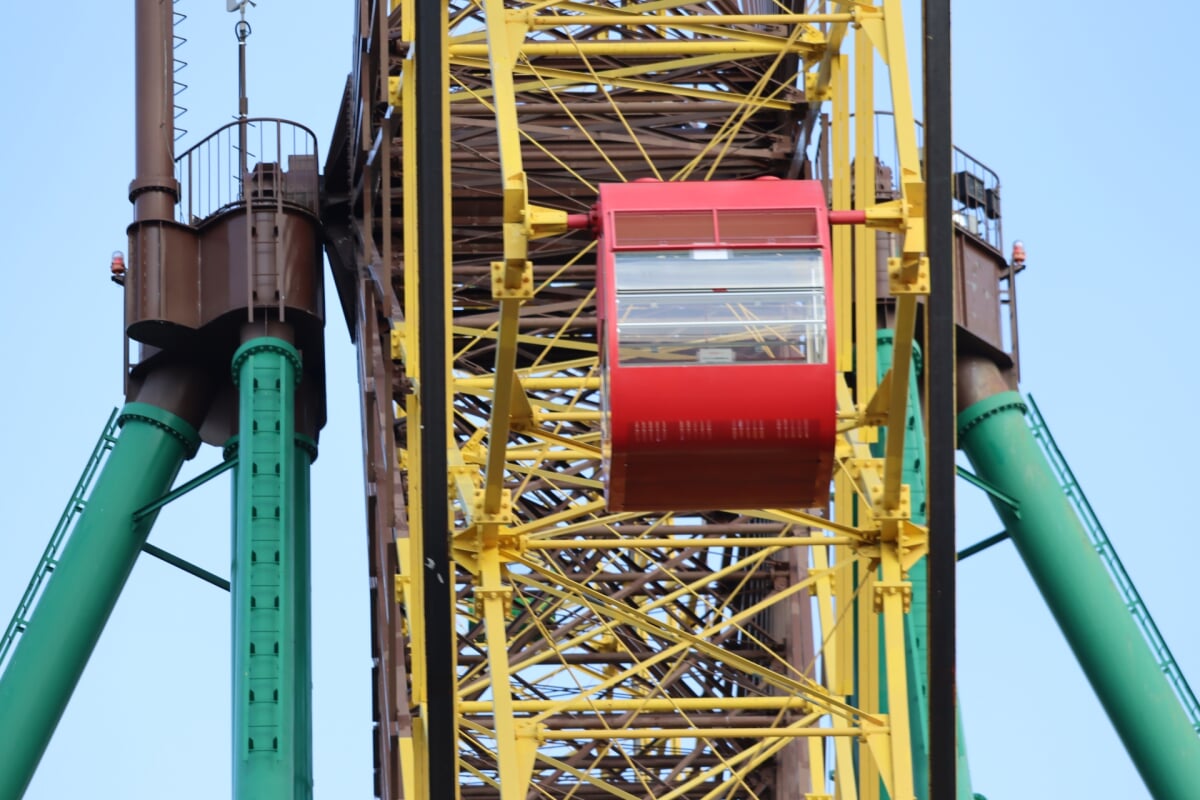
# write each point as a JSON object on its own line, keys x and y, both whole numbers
{"x": 118, "y": 264}
{"x": 1018, "y": 254}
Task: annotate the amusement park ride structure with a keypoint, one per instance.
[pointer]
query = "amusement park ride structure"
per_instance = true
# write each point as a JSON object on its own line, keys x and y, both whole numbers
{"x": 606, "y": 559}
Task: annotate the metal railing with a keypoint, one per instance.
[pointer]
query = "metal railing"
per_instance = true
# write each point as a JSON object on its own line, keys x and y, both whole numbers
{"x": 977, "y": 199}
{"x": 1124, "y": 584}
{"x": 282, "y": 165}
{"x": 976, "y": 186}
{"x": 20, "y": 618}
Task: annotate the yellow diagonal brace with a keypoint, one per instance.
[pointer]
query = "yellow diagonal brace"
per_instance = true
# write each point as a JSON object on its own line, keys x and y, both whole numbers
{"x": 618, "y": 48}
{"x": 515, "y": 767}
{"x": 815, "y": 693}
{"x": 503, "y": 35}
{"x": 843, "y": 264}
{"x": 811, "y": 520}
{"x": 830, "y": 631}
{"x": 715, "y": 22}
{"x": 865, "y": 376}
{"x": 480, "y": 333}
{"x": 674, "y": 543}
{"x": 707, "y": 25}
{"x": 620, "y": 78}
{"x": 879, "y": 745}
{"x": 872, "y": 24}
{"x": 707, "y": 733}
{"x": 763, "y": 750}
{"x": 825, "y": 70}
{"x": 586, "y": 777}
{"x": 912, "y": 187}
{"x": 869, "y": 482}
{"x": 608, "y": 705}
{"x": 902, "y": 349}
{"x": 533, "y": 384}
{"x": 412, "y": 745}
{"x": 469, "y": 689}
{"x": 900, "y": 770}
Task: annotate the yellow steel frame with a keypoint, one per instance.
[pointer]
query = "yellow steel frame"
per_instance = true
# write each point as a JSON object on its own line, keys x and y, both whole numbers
{"x": 855, "y": 564}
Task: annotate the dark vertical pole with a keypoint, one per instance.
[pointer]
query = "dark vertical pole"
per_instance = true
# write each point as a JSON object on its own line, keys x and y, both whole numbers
{"x": 943, "y": 761}
{"x": 243, "y": 31}
{"x": 431, "y": 256}
{"x": 154, "y": 189}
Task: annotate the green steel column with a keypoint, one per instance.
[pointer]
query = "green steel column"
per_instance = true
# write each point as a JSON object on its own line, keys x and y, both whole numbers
{"x": 306, "y": 454}
{"x": 1082, "y": 597}
{"x": 78, "y": 598}
{"x": 916, "y": 622}
{"x": 270, "y": 690}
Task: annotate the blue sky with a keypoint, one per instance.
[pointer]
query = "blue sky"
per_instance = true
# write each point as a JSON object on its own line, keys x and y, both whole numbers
{"x": 1092, "y": 146}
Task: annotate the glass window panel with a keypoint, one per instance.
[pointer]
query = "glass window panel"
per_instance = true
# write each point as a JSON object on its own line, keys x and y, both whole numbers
{"x": 633, "y": 228}
{"x": 722, "y": 327}
{"x": 719, "y": 269}
{"x": 774, "y": 226}
{"x": 721, "y": 306}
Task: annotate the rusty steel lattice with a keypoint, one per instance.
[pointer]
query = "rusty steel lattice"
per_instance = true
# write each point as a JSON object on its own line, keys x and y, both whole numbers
{"x": 635, "y": 655}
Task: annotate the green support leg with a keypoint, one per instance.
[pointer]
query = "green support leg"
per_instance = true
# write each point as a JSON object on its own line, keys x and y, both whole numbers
{"x": 271, "y": 729}
{"x": 1081, "y": 595}
{"x": 80, "y": 595}
{"x": 915, "y": 624}
{"x": 306, "y": 454}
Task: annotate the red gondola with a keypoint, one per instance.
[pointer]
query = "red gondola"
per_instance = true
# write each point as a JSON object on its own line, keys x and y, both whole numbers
{"x": 717, "y": 349}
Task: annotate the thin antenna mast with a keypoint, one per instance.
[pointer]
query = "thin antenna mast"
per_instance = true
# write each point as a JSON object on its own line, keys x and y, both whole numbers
{"x": 242, "y": 30}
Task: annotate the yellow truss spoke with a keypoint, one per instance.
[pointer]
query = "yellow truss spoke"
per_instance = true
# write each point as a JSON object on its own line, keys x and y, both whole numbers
{"x": 473, "y": 7}
{"x": 575, "y": 641}
{"x": 552, "y": 409}
{"x": 574, "y": 121}
{"x": 586, "y": 777}
{"x": 751, "y": 754}
{"x": 529, "y": 453}
{"x": 618, "y": 78}
{"x": 728, "y": 599}
{"x": 683, "y": 640}
{"x": 598, "y": 646}
{"x": 715, "y": 25}
{"x": 587, "y": 510}
{"x": 627, "y": 48}
{"x": 616, "y": 108}
{"x": 579, "y": 444}
{"x": 462, "y": 122}
{"x": 812, "y": 521}
{"x": 481, "y": 385}
{"x": 718, "y": 610}
{"x": 602, "y": 719}
{"x": 753, "y": 102}
{"x": 680, "y": 663}
{"x": 710, "y": 733}
{"x": 479, "y": 334}
{"x": 588, "y": 249}
{"x": 556, "y": 480}
{"x": 608, "y": 705}
{"x": 774, "y": 543}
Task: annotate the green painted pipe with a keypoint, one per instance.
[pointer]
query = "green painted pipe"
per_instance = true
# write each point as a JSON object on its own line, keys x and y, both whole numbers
{"x": 1082, "y": 597}
{"x": 915, "y": 622}
{"x": 306, "y": 454}
{"x": 271, "y": 654}
{"x": 913, "y": 474}
{"x": 80, "y": 595}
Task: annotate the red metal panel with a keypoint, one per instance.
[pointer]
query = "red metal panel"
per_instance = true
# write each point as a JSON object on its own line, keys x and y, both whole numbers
{"x": 706, "y": 435}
